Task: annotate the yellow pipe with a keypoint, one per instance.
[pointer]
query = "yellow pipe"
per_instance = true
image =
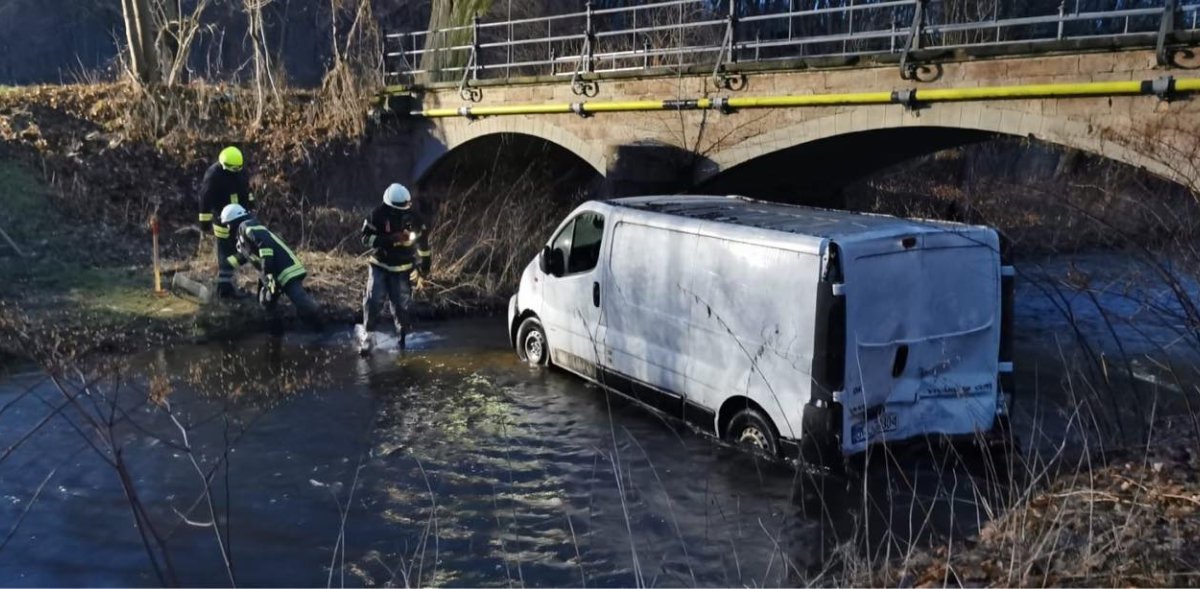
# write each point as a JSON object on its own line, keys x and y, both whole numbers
{"x": 1187, "y": 85}
{"x": 916, "y": 96}
{"x": 513, "y": 109}
{"x": 629, "y": 106}
{"x": 1029, "y": 91}
{"x": 812, "y": 100}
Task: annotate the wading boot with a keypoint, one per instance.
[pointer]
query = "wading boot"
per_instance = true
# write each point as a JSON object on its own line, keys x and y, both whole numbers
{"x": 228, "y": 292}
{"x": 365, "y": 339}
{"x": 403, "y": 338}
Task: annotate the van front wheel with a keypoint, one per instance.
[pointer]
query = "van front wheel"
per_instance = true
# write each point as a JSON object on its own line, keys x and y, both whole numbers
{"x": 750, "y": 429}
{"x": 531, "y": 343}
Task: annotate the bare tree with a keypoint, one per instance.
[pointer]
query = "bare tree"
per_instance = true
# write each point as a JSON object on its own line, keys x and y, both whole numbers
{"x": 159, "y": 37}
{"x": 177, "y": 33}
{"x": 140, "y": 38}
{"x": 264, "y": 80}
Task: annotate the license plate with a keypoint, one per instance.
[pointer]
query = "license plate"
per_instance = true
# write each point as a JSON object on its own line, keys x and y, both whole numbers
{"x": 861, "y": 432}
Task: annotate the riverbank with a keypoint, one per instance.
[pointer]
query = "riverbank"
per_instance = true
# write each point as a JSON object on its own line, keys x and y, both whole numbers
{"x": 83, "y": 168}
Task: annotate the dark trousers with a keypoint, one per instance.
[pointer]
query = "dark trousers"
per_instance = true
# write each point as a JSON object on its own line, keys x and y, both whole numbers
{"x": 306, "y": 306}
{"x": 382, "y": 284}
{"x": 226, "y": 246}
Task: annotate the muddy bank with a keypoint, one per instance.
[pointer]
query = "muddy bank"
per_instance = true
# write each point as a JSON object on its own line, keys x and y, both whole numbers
{"x": 88, "y": 165}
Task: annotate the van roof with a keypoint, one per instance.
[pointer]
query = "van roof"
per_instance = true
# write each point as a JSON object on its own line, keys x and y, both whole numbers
{"x": 799, "y": 220}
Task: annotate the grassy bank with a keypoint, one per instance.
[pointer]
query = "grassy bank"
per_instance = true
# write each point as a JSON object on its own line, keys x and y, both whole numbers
{"x": 84, "y": 167}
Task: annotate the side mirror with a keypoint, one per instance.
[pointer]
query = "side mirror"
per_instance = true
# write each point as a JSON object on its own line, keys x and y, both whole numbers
{"x": 558, "y": 263}
{"x": 552, "y": 261}
{"x": 544, "y": 260}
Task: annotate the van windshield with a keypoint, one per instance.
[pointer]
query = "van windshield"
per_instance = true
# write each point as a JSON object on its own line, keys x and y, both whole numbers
{"x": 924, "y": 293}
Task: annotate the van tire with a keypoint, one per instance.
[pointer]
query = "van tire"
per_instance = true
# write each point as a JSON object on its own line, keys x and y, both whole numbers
{"x": 531, "y": 343}
{"x": 752, "y": 430}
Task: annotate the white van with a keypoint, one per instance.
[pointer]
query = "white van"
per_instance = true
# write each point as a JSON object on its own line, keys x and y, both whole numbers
{"x": 801, "y": 332}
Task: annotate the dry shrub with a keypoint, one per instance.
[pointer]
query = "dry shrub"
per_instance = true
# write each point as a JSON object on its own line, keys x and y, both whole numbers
{"x": 1046, "y": 199}
{"x": 483, "y": 239}
{"x": 493, "y": 210}
{"x": 354, "y": 80}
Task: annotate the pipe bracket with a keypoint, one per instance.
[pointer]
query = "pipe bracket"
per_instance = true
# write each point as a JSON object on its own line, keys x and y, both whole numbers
{"x": 907, "y": 97}
{"x": 1163, "y": 87}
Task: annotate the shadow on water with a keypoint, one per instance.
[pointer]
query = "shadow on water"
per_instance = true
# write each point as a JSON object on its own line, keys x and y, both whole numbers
{"x": 453, "y": 464}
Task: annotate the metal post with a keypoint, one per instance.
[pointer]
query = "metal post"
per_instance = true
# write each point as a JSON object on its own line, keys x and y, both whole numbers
{"x": 1166, "y": 31}
{"x": 850, "y": 33}
{"x": 733, "y": 31}
{"x": 728, "y": 51}
{"x": 589, "y": 38}
{"x": 791, "y": 9}
{"x": 1062, "y": 8}
{"x": 550, "y": 46}
{"x": 509, "y": 45}
{"x": 475, "y": 47}
{"x": 580, "y": 86}
{"x": 908, "y": 71}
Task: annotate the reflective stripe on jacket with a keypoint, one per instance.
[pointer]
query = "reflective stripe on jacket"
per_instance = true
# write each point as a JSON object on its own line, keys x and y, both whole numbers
{"x": 259, "y": 246}
{"x": 399, "y": 239}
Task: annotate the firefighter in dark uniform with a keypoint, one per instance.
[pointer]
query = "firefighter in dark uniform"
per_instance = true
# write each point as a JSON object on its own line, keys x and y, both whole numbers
{"x": 281, "y": 272}
{"x": 398, "y": 236}
{"x": 225, "y": 183}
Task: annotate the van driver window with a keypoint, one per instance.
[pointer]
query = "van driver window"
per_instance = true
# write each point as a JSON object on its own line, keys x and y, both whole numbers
{"x": 585, "y": 248}
{"x": 562, "y": 242}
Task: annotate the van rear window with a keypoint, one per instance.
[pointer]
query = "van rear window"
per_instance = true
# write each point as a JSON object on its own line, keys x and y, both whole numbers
{"x": 923, "y": 293}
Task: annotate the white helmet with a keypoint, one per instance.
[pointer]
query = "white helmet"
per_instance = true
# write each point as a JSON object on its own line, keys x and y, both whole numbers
{"x": 232, "y": 213}
{"x": 397, "y": 196}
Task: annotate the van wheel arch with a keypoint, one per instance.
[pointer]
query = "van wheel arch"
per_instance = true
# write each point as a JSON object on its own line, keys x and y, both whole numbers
{"x": 735, "y": 405}
{"x": 516, "y": 325}
{"x": 531, "y": 330}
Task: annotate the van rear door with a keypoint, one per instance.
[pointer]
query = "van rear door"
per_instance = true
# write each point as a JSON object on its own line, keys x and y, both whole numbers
{"x": 922, "y": 335}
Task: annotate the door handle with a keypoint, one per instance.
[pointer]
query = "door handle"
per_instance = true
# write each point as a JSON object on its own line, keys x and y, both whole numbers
{"x": 596, "y": 294}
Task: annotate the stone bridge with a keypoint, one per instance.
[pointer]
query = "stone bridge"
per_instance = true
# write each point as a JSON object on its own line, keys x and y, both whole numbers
{"x": 627, "y": 135}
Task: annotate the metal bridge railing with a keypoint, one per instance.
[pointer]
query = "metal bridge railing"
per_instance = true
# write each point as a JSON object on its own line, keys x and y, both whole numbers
{"x": 705, "y": 33}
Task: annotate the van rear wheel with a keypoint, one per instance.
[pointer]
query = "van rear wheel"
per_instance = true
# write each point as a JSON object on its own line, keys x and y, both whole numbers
{"x": 531, "y": 343}
{"x": 752, "y": 430}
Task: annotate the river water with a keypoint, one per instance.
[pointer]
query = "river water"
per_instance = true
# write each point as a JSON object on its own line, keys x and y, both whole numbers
{"x": 454, "y": 464}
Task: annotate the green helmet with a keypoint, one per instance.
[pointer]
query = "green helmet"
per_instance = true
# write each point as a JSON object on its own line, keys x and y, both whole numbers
{"x": 231, "y": 159}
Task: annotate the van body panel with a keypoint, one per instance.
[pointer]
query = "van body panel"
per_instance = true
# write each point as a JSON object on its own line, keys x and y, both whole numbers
{"x": 649, "y": 303}
{"x": 752, "y": 327}
{"x": 691, "y": 301}
{"x": 922, "y": 328}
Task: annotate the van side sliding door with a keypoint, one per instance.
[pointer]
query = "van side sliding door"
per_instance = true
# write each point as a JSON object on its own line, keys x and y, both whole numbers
{"x": 647, "y": 313}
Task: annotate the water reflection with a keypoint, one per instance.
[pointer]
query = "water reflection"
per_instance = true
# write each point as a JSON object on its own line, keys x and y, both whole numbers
{"x": 454, "y": 464}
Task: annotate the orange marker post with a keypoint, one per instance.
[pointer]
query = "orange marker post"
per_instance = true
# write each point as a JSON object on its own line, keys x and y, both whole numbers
{"x": 158, "y": 289}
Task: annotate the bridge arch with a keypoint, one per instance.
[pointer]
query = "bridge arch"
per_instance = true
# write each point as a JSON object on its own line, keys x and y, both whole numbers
{"x": 451, "y": 134}
{"x": 978, "y": 119}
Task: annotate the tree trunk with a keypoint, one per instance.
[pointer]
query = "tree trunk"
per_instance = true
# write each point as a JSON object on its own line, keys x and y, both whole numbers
{"x": 140, "y": 35}
{"x": 447, "y": 14}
